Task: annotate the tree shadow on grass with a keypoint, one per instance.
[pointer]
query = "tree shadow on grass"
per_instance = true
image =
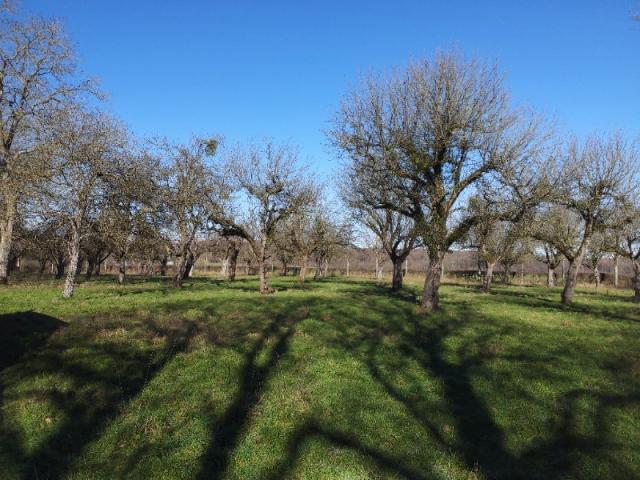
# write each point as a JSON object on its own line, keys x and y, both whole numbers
{"x": 624, "y": 314}
{"x": 479, "y": 439}
{"x": 22, "y": 332}
{"x": 225, "y": 433}
{"x": 99, "y": 376}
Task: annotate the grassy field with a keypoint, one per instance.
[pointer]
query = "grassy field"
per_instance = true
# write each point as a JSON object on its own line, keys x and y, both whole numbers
{"x": 336, "y": 379}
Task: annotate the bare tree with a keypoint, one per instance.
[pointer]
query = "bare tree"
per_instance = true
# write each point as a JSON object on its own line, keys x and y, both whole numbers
{"x": 37, "y": 75}
{"x": 271, "y": 188}
{"x": 497, "y": 241}
{"x": 552, "y": 257}
{"x": 128, "y": 216}
{"x": 596, "y": 175}
{"x": 431, "y": 133}
{"x": 627, "y": 240}
{"x": 191, "y": 193}
{"x": 85, "y": 149}
{"x": 395, "y": 232}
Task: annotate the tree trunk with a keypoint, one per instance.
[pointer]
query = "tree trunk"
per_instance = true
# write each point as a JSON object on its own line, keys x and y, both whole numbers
{"x": 326, "y": 268}
{"x": 596, "y": 277}
{"x": 506, "y": 273}
{"x": 98, "y": 270}
{"x": 74, "y": 257}
{"x": 347, "y": 267}
{"x": 91, "y": 265}
{"x": 188, "y": 266}
{"x": 378, "y": 269}
{"x": 6, "y": 235}
{"x": 163, "y": 265}
{"x": 430, "y": 293}
{"x": 285, "y": 268}
{"x": 303, "y": 269}
{"x": 488, "y": 277}
{"x": 396, "y": 279}
{"x": 79, "y": 266}
{"x": 224, "y": 269}
{"x": 571, "y": 280}
{"x": 616, "y": 272}
{"x": 179, "y": 276}
{"x": 122, "y": 270}
{"x": 43, "y": 267}
{"x": 264, "y": 285}
{"x": 318, "y": 273}
{"x": 233, "y": 262}
{"x": 60, "y": 267}
{"x": 636, "y": 281}
{"x": 551, "y": 277}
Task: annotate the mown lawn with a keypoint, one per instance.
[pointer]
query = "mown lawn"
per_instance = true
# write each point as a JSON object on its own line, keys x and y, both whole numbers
{"x": 338, "y": 379}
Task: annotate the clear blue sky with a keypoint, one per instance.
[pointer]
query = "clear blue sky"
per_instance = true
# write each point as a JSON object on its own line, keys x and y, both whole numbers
{"x": 255, "y": 69}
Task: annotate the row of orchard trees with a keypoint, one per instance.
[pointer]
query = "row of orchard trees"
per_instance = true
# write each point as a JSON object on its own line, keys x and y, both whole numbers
{"x": 437, "y": 156}
{"x": 76, "y": 186}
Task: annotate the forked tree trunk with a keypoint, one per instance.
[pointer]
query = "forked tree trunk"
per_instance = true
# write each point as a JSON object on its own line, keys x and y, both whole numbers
{"x": 431, "y": 291}
{"x": 488, "y": 277}
{"x": 72, "y": 270}
{"x": 551, "y": 277}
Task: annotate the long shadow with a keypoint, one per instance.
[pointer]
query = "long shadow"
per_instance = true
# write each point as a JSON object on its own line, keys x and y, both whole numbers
{"x": 480, "y": 441}
{"x": 96, "y": 396}
{"x": 23, "y": 332}
{"x": 312, "y": 429}
{"x": 226, "y": 432}
{"x": 538, "y": 301}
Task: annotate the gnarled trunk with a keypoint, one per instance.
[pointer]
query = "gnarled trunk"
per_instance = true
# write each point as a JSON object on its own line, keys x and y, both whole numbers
{"x": 488, "y": 277}
{"x": 431, "y": 291}
{"x": 318, "y": 273}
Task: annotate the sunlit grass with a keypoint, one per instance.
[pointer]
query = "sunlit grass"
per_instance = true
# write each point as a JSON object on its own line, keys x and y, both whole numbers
{"x": 333, "y": 379}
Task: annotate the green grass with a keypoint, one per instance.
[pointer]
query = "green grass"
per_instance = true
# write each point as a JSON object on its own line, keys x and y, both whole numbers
{"x": 338, "y": 379}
